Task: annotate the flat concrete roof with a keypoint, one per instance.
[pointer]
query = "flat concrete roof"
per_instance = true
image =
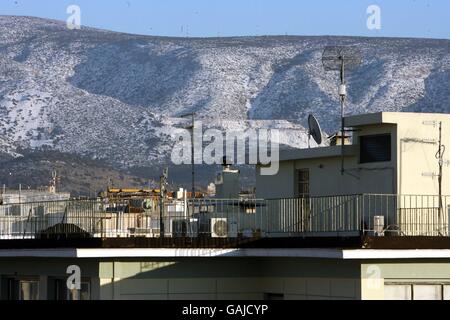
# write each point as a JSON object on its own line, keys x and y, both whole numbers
{"x": 388, "y": 118}
{"x": 317, "y": 153}
{"x": 364, "y": 119}
{"x": 339, "y": 254}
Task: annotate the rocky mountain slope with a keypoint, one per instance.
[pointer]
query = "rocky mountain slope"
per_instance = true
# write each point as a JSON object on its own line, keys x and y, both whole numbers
{"x": 80, "y": 177}
{"x": 118, "y": 98}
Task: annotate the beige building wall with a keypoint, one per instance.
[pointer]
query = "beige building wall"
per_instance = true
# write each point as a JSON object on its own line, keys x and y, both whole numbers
{"x": 377, "y": 276}
{"x": 418, "y": 138}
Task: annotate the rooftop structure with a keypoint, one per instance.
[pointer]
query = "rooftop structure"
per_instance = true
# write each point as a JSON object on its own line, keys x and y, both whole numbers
{"x": 25, "y": 196}
{"x": 391, "y": 153}
{"x": 227, "y": 183}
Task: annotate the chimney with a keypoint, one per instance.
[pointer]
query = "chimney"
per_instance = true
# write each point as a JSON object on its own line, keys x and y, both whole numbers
{"x": 336, "y": 139}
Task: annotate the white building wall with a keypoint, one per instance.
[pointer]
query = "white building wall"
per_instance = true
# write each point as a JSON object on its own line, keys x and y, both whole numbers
{"x": 417, "y": 148}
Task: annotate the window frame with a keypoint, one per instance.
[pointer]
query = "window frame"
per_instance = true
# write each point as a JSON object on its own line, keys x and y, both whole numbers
{"x": 299, "y": 192}
{"x": 443, "y": 286}
{"x": 89, "y": 287}
{"x": 14, "y": 287}
{"x": 30, "y": 281}
{"x": 60, "y": 292}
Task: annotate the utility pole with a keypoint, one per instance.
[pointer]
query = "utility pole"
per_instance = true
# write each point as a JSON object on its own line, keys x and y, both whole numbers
{"x": 343, "y": 96}
{"x": 162, "y": 196}
{"x": 192, "y": 129}
{"x": 440, "y": 157}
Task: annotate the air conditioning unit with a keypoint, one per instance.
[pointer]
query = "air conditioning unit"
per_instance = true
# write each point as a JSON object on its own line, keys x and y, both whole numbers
{"x": 378, "y": 226}
{"x": 223, "y": 228}
{"x": 193, "y": 226}
{"x": 184, "y": 228}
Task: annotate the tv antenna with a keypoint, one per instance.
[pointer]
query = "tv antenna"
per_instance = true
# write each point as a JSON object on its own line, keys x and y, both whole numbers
{"x": 192, "y": 129}
{"x": 342, "y": 59}
{"x": 314, "y": 131}
{"x": 163, "y": 181}
{"x": 54, "y": 181}
{"x": 440, "y": 157}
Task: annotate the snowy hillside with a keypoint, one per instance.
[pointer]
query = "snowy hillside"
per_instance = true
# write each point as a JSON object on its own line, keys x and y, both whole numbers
{"x": 117, "y": 97}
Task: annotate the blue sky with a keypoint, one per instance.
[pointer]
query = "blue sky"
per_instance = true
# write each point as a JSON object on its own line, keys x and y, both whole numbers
{"x": 206, "y": 18}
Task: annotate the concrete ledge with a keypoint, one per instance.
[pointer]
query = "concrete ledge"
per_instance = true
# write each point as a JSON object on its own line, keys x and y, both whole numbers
{"x": 338, "y": 254}
{"x": 324, "y": 242}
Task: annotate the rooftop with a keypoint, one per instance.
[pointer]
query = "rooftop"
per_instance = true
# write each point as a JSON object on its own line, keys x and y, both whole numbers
{"x": 352, "y": 221}
{"x": 316, "y": 153}
{"x": 389, "y": 118}
{"x": 356, "y": 121}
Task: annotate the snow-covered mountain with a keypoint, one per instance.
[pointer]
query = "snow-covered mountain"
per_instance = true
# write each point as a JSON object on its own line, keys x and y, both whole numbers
{"x": 118, "y": 97}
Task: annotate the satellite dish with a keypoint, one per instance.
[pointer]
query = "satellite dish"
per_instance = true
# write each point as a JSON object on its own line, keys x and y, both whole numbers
{"x": 314, "y": 129}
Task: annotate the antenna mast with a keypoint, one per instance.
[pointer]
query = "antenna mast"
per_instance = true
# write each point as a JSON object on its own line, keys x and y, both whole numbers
{"x": 162, "y": 197}
{"x": 341, "y": 58}
{"x": 440, "y": 157}
{"x": 54, "y": 181}
{"x": 192, "y": 128}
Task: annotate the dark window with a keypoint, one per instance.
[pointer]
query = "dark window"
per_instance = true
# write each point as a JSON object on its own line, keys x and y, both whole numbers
{"x": 375, "y": 148}
{"x": 303, "y": 183}
{"x": 22, "y": 289}
{"x": 57, "y": 289}
{"x": 301, "y": 209}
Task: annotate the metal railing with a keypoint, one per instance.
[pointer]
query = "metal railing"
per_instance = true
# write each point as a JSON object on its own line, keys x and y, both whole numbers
{"x": 407, "y": 215}
{"x": 380, "y": 215}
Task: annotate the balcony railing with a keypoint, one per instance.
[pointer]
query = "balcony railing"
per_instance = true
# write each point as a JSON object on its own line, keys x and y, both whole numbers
{"x": 338, "y": 216}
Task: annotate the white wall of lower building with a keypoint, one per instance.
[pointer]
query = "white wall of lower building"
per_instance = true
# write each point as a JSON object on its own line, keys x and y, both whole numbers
{"x": 230, "y": 279}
